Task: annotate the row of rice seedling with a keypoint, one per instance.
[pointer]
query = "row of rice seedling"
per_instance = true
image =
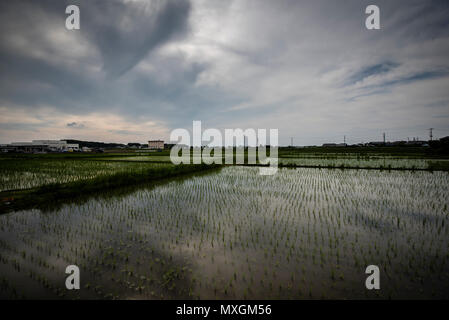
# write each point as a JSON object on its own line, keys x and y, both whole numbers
{"x": 353, "y": 162}
{"x": 151, "y": 158}
{"x": 283, "y": 153}
{"x": 302, "y": 233}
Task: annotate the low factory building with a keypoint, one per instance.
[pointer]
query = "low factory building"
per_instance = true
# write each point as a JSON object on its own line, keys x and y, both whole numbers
{"x": 40, "y": 146}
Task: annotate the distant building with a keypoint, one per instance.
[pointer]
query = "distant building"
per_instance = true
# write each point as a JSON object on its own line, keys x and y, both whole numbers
{"x": 58, "y": 145}
{"x": 134, "y": 145}
{"x": 418, "y": 143}
{"x": 376, "y": 143}
{"x": 156, "y": 144}
{"x": 42, "y": 146}
{"x": 334, "y": 145}
{"x": 396, "y": 143}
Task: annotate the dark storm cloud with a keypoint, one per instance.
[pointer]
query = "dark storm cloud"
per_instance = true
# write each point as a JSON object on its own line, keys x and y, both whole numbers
{"x": 122, "y": 33}
{"x": 75, "y": 125}
{"x": 371, "y": 70}
{"x": 417, "y": 77}
{"x": 302, "y": 66}
{"x": 29, "y": 81}
{"x": 126, "y": 32}
{"x": 386, "y": 86}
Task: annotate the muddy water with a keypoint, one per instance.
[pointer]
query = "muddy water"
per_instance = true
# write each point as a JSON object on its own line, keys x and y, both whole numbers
{"x": 300, "y": 234}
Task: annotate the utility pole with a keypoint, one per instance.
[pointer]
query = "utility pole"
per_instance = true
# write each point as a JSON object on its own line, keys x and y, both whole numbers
{"x": 344, "y": 139}
{"x": 291, "y": 142}
{"x": 384, "y": 137}
{"x": 430, "y": 133}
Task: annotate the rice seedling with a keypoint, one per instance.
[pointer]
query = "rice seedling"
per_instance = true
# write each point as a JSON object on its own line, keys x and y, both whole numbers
{"x": 302, "y": 233}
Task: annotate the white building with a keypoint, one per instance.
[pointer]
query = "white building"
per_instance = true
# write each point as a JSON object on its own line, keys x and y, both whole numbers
{"x": 58, "y": 145}
{"x": 43, "y": 146}
{"x": 156, "y": 144}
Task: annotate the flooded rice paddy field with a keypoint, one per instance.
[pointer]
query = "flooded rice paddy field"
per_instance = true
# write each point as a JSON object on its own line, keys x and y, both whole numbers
{"x": 300, "y": 234}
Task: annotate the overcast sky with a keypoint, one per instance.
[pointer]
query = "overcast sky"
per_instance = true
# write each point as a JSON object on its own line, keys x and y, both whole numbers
{"x": 138, "y": 69}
